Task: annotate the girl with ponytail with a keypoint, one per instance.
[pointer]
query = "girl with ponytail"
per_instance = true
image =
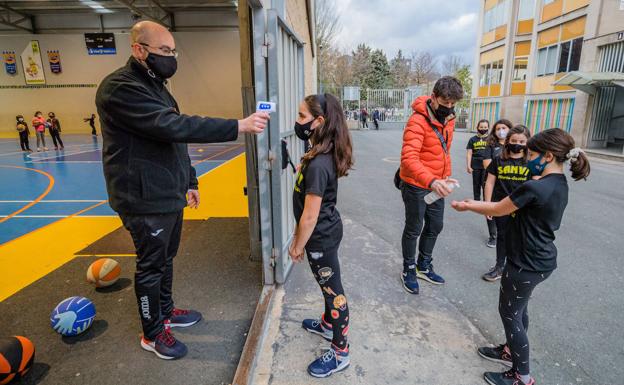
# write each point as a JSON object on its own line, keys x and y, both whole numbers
{"x": 321, "y": 124}
{"x": 536, "y": 208}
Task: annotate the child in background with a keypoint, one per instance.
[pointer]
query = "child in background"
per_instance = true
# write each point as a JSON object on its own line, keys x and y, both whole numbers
{"x": 22, "y": 128}
{"x": 39, "y": 125}
{"x": 475, "y": 153}
{"x": 504, "y": 174}
{"x": 55, "y": 131}
{"x": 496, "y": 141}
{"x": 536, "y": 208}
{"x": 319, "y": 226}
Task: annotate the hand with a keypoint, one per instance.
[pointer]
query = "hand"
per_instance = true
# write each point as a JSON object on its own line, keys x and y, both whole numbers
{"x": 461, "y": 206}
{"x": 469, "y": 169}
{"x": 192, "y": 199}
{"x": 254, "y": 123}
{"x": 66, "y": 322}
{"x": 441, "y": 187}
{"x": 295, "y": 254}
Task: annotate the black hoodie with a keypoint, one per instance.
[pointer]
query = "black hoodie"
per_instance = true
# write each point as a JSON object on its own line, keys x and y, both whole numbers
{"x": 145, "y": 157}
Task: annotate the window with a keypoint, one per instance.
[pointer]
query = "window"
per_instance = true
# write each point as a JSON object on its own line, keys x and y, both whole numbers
{"x": 546, "y": 2}
{"x": 491, "y": 73}
{"x": 520, "y": 69}
{"x": 495, "y": 17}
{"x": 526, "y": 9}
{"x": 547, "y": 60}
{"x": 570, "y": 55}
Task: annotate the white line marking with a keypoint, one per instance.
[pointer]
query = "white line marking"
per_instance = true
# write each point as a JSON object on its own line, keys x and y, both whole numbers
{"x": 60, "y": 201}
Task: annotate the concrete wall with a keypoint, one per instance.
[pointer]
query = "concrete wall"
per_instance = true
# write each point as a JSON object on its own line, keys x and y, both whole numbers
{"x": 208, "y": 80}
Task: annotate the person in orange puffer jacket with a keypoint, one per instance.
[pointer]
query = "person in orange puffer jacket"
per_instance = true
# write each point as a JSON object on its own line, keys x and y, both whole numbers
{"x": 426, "y": 167}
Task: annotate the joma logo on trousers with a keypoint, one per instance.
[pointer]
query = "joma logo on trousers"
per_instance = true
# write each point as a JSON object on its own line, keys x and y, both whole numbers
{"x": 145, "y": 307}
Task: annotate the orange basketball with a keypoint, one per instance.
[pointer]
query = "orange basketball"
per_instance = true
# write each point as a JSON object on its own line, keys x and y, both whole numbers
{"x": 17, "y": 355}
{"x": 103, "y": 272}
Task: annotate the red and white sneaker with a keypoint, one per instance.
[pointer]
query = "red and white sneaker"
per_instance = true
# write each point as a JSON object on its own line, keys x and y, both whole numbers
{"x": 165, "y": 345}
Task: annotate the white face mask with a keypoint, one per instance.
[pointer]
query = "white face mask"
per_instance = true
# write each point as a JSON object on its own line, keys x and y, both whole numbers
{"x": 503, "y": 133}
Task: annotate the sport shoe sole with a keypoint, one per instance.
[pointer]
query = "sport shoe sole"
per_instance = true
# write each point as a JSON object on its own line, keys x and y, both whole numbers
{"x": 491, "y": 245}
{"x": 420, "y": 275}
{"x": 327, "y": 338}
{"x": 503, "y": 362}
{"x": 407, "y": 289}
{"x": 343, "y": 365}
{"x": 183, "y": 325}
{"x": 150, "y": 348}
{"x": 490, "y": 279}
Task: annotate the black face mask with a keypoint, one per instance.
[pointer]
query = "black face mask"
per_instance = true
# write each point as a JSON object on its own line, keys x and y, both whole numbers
{"x": 163, "y": 66}
{"x": 304, "y": 131}
{"x": 515, "y": 148}
{"x": 442, "y": 112}
{"x": 483, "y": 132}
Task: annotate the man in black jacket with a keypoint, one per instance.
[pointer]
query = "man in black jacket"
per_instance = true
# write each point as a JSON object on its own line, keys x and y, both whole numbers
{"x": 148, "y": 172}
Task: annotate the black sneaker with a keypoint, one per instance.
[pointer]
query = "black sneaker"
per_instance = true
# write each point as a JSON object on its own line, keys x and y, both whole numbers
{"x": 409, "y": 281}
{"x": 499, "y": 354}
{"x": 509, "y": 377}
{"x": 184, "y": 318}
{"x": 494, "y": 274}
{"x": 491, "y": 243}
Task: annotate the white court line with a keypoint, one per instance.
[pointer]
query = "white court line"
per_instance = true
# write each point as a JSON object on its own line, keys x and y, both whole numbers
{"x": 37, "y": 159}
{"x": 65, "y": 161}
{"x": 59, "y": 216}
{"x": 60, "y": 201}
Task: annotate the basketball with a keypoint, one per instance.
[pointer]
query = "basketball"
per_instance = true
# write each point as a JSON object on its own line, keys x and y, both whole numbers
{"x": 103, "y": 272}
{"x": 72, "y": 316}
{"x": 17, "y": 355}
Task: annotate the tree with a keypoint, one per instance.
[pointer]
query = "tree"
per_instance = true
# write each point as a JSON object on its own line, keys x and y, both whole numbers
{"x": 361, "y": 65}
{"x": 423, "y": 68}
{"x": 451, "y": 65}
{"x": 400, "y": 71}
{"x": 464, "y": 75}
{"x": 327, "y": 24}
{"x": 379, "y": 71}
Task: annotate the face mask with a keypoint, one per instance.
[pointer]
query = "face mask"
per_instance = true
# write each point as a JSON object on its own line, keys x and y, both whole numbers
{"x": 304, "y": 131}
{"x": 442, "y": 112}
{"x": 20, "y": 119}
{"x": 515, "y": 148}
{"x": 483, "y": 132}
{"x": 536, "y": 166}
{"x": 503, "y": 133}
{"x": 163, "y": 66}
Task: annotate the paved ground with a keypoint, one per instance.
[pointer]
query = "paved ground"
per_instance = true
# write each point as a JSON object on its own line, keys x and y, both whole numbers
{"x": 575, "y": 327}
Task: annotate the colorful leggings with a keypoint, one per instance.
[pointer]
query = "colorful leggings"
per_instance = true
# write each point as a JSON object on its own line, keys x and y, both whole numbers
{"x": 326, "y": 269}
{"x": 515, "y": 292}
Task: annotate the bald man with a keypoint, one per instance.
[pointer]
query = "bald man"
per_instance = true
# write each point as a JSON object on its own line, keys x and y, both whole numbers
{"x": 148, "y": 172}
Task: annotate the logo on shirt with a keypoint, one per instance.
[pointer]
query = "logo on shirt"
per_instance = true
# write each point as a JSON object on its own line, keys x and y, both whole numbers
{"x": 299, "y": 181}
{"x": 479, "y": 145}
{"x": 513, "y": 173}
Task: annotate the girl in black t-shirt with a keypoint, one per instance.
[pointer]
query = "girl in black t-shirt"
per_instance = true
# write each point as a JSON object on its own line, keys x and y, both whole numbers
{"x": 475, "y": 153}
{"x": 319, "y": 227}
{"x": 536, "y": 208}
{"x": 504, "y": 174}
{"x": 495, "y": 141}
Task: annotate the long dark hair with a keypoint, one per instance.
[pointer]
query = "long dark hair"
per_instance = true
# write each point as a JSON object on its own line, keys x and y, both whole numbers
{"x": 482, "y": 121}
{"x": 559, "y": 143}
{"x": 333, "y": 135}
{"x": 492, "y": 139}
{"x": 517, "y": 129}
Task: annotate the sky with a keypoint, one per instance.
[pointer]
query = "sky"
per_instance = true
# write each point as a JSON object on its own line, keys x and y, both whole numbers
{"x": 441, "y": 27}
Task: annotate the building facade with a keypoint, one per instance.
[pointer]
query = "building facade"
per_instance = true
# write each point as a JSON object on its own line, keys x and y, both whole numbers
{"x": 553, "y": 63}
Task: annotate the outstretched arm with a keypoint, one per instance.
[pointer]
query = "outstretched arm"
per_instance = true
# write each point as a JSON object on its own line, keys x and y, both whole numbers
{"x": 493, "y": 209}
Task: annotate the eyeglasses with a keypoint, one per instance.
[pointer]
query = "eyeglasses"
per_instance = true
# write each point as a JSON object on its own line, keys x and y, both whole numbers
{"x": 164, "y": 49}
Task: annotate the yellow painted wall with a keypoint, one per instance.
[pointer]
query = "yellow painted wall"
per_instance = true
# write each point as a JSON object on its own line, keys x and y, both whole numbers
{"x": 548, "y": 37}
{"x": 573, "y": 29}
{"x": 489, "y": 4}
{"x": 552, "y": 10}
{"x": 523, "y": 48}
{"x": 500, "y": 32}
{"x": 495, "y": 89}
{"x": 487, "y": 38}
{"x": 524, "y": 27}
{"x": 484, "y": 91}
{"x": 492, "y": 55}
{"x": 542, "y": 84}
{"x": 561, "y": 88}
{"x": 518, "y": 88}
{"x": 572, "y": 5}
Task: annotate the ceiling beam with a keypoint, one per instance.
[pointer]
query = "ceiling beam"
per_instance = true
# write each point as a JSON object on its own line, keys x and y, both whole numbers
{"x": 153, "y": 11}
{"x": 16, "y": 19}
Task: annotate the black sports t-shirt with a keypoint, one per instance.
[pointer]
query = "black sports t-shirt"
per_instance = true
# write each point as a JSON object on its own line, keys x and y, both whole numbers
{"x": 319, "y": 178}
{"x": 493, "y": 151}
{"x": 479, "y": 147}
{"x": 509, "y": 173}
{"x": 531, "y": 229}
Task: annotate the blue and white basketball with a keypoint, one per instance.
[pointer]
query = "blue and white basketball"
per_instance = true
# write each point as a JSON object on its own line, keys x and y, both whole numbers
{"x": 72, "y": 316}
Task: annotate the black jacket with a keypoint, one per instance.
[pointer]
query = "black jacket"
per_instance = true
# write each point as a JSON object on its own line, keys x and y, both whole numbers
{"x": 145, "y": 157}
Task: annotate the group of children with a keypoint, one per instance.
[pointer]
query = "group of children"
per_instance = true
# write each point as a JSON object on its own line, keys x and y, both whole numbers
{"x": 39, "y": 124}
{"x": 525, "y": 194}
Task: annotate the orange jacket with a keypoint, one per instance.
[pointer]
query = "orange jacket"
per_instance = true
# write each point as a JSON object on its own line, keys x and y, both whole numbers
{"x": 422, "y": 157}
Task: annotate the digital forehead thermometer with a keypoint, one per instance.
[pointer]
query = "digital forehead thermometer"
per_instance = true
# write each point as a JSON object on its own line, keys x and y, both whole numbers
{"x": 266, "y": 107}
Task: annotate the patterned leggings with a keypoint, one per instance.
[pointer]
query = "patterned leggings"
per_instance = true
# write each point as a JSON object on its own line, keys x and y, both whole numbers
{"x": 515, "y": 292}
{"x": 326, "y": 269}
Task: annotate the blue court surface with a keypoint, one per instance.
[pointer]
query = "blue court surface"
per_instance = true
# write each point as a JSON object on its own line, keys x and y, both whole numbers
{"x": 39, "y": 188}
